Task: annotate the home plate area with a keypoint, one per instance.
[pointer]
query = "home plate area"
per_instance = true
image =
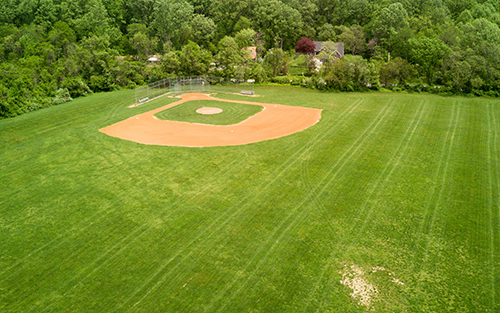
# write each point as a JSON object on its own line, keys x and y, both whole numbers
{"x": 272, "y": 122}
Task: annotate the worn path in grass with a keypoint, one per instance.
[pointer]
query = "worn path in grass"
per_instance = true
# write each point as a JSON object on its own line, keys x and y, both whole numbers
{"x": 273, "y": 122}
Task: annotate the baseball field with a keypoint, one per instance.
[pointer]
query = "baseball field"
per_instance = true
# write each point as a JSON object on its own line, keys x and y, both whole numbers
{"x": 389, "y": 203}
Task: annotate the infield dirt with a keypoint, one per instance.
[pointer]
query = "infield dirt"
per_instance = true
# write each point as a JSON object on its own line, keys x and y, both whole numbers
{"x": 272, "y": 122}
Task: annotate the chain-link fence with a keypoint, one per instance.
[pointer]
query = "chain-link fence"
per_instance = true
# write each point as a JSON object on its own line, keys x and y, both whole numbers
{"x": 193, "y": 84}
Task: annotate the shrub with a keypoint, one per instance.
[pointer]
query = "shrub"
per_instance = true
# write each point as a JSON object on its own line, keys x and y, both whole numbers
{"x": 98, "y": 83}
{"x": 281, "y": 79}
{"x": 309, "y": 82}
{"x": 296, "y": 80}
{"x": 76, "y": 87}
{"x": 62, "y": 96}
{"x": 256, "y": 72}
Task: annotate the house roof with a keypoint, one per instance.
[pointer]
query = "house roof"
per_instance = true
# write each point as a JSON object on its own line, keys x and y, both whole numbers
{"x": 338, "y": 46}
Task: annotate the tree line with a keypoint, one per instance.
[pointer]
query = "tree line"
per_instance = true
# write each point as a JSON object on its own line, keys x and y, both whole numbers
{"x": 54, "y": 50}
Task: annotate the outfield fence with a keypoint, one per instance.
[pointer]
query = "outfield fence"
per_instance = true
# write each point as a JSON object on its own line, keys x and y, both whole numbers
{"x": 193, "y": 84}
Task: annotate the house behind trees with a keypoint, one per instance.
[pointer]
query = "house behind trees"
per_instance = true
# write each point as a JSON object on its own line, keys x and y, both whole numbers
{"x": 332, "y": 48}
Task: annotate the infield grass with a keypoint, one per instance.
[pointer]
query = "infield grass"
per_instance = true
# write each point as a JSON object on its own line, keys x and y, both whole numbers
{"x": 232, "y": 113}
{"x": 396, "y": 194}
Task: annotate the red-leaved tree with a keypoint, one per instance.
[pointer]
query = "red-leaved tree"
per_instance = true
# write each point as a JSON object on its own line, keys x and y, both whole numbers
{"x": 305, "y": 45}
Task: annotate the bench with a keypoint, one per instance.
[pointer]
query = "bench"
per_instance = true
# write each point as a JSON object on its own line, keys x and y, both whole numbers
{"x": 246, "y": 92}
{"x": 143, "y": 99}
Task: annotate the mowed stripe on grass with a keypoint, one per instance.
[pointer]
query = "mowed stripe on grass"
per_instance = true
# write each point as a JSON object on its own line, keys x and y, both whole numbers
{"x": 407, "y": 183}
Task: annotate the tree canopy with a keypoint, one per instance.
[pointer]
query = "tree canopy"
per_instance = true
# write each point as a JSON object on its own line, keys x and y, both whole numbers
{"x": 53, "y": 48}
{"x": 305, "y": 45}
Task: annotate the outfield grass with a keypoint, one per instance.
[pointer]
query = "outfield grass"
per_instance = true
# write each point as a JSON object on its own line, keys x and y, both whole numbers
{"x": 232, "y": 113}
{"x": 400, "y": 191}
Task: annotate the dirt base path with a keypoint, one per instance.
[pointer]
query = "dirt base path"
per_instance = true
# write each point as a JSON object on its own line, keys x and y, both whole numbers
{"x": 273, "y": 122}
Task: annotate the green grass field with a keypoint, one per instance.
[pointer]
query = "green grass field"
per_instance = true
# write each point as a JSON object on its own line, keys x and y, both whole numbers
{"x": 395, "y": 196}
{"x": 232, "y": 113}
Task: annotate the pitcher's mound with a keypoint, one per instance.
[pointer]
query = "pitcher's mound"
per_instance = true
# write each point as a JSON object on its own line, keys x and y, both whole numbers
{"x": 206, "y": 110}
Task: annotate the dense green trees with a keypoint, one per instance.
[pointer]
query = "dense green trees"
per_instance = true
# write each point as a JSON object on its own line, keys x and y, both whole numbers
{"x": 353, "y": 38}
{"x": 427, "y": 54}
{"x": 245, "y": 38}
{"x": 55, "y": 50}
{"x": 276, "y": 61}
{"x": 229, "y": 57}
{"x": 280, "y": 23}
{"x": 172, "y": 21}
{"x": 395, "y": 72}
{"x": 203, "y": 30}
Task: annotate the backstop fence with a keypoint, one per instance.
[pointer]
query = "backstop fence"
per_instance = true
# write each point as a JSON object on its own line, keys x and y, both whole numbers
{"x": 193, "y": 84}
